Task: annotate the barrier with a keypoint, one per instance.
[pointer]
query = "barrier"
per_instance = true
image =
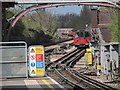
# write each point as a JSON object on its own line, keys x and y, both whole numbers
{"x": 14, "y": 59}
{"x": 109, "y": 58}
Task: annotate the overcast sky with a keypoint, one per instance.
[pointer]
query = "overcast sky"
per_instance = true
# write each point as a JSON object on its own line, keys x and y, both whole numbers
{"x": 65, "y": 9}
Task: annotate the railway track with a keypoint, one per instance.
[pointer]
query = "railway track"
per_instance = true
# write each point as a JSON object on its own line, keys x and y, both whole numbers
{"x": 69, "y": 77}
{"x": 61, "y": 44}
{"x": 97, "y": 85}
{"x": 63, "y": 72}
{"x": 61, "y": 60}
{"x": 65, "y": 75}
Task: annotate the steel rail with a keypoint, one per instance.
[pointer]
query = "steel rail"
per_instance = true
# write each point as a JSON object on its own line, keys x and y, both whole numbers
{"x": 95, "y": 82}
{"x": 87, "y": 79}
{"x": 70, "y": 82}
{"x": 73, "y": 61}
{"x": 62, "y": 59}
{"x": 56, "y": 66}
{"x": 66, "y": 79}
{"x": 85, "y": 84}
{"x": 63, "y": 71}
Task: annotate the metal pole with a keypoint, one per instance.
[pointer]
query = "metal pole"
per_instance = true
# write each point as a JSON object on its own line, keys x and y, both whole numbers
{"x": 0, "y": 41}
{"x": 0, "y": 21}
{"x": 4, "y": 23}
{"x": 118, "y": 25}
{"x": 119, "y": 37}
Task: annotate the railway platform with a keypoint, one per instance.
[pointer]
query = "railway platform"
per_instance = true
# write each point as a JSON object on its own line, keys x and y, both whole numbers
{"x": 43, "y": 83}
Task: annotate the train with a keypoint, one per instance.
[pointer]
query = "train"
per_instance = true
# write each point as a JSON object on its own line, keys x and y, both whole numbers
{"x": 82, "y": 38}
{"x": 71, "y": 33}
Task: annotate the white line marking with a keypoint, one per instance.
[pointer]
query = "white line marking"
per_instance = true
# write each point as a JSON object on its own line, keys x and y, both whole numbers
{"x": 32, "y": 84}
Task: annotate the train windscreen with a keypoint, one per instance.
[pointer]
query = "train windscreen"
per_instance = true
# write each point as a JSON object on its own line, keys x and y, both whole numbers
{"x": 87, "y": 34}
{"x": 80, "y": 35}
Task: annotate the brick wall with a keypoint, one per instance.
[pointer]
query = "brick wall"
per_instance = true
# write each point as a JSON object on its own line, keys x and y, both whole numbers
{"x": 100, "y": 19}
{"x": 94, "y": 18}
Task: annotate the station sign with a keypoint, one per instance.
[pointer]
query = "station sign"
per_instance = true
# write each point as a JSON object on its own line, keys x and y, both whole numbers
{"x": 36, "y": 61}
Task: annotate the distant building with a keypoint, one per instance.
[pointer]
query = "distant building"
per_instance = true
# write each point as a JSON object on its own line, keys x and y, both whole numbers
{"x": 101, "y": 19}
{"x": 95, "y": 17}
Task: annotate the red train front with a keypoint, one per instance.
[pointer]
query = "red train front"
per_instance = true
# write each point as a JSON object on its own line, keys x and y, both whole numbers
{"x": 82, "y": 38}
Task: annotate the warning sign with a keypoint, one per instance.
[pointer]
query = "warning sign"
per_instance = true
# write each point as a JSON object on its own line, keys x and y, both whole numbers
{"x": 33, "y": 64}
{"x": 32, "y": 57}
{"x": 39, "y": 57}
{"x": 36, "y": 61}
{"x": 40, "y": 72}
{"x": 33, "y": 72}
{"x": 39, "y": 65}
{"x": 39, "y": 50}
{"x": 32, "y": 50}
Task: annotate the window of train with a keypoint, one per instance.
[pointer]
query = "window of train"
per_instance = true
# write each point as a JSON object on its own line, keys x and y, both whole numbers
{"x": 87, "y": 35}
{"x": 77, "y": 34}
{"x": 81, "y": 34}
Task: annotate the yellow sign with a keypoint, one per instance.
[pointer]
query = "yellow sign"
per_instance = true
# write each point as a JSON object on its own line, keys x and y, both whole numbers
{"x": 33, "y": 72}
{"x": 98, "y": 67}
{"x": 89, "y": 50}
{"x": 40, "y": 72}
{"x": 32, "y": 50}
{"x": 89, "y": 55}
{"x": 39, "y": 50}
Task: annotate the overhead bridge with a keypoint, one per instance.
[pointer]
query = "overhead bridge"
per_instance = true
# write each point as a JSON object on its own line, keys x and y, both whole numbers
{"x": 113, "y": 3}
{"x": 61, "y": 1}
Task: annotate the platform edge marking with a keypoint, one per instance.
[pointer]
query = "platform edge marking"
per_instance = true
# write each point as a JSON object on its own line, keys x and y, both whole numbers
{"x": 56, "y": 82}
{"x": 48, "y": 84}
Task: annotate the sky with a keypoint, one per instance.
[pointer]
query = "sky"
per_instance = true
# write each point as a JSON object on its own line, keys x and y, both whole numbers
{"x": 65, "y": 10}
{"x": 62, "y": 10}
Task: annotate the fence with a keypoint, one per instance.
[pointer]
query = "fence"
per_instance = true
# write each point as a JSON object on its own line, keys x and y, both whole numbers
{"x": 13, "y": 59}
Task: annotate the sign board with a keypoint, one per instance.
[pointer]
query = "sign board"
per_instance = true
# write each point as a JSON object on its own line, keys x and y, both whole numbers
{"x": 36, "y": 61}
{"x": 89, "y": 55}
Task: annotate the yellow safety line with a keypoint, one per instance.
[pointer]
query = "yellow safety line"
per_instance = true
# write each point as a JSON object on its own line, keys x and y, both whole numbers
{"x": 48, "y": 84}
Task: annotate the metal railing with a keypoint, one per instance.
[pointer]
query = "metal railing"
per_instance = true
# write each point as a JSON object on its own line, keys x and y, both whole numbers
{"x": 13, "y": 59}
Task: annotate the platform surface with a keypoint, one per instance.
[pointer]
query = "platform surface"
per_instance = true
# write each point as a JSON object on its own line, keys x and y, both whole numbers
{"x": 45, "y": 83}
